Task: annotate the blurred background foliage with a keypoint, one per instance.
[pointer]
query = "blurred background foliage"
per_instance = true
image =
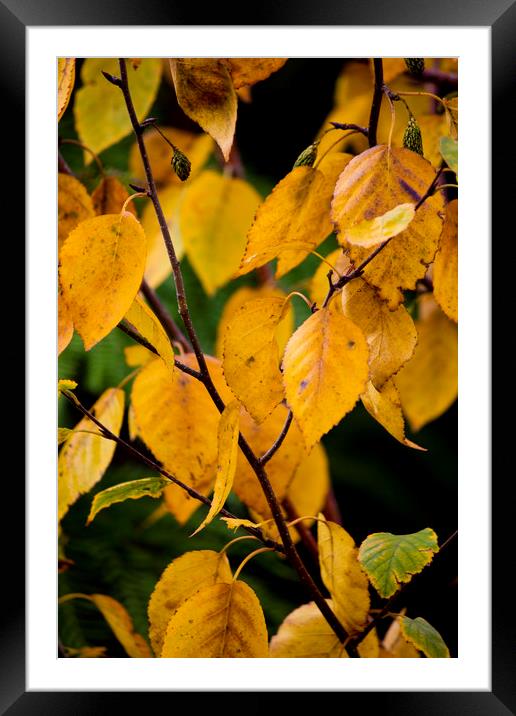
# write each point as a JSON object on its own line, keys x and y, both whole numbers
{"x": 379, "y": 484}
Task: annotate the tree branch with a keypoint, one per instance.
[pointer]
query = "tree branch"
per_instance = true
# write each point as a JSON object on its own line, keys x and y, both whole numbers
{"x": 171, "y": 329}
{"x": 279, "y": 441}
{"x": 377, "y": 101}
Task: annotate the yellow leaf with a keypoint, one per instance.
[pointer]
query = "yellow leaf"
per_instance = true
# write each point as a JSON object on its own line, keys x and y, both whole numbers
{"x": 64, "y": 322}
{"x": 183, "y": 577}
{"x": 220, "y": 621}
{"x": 109, "y": 197}
{"x": 101, "y": 117}
{"x": 305, "y": 634}
{"x": 65, "y": 83}
{"x": 392, "y": 67}
{"x": 158, "y": 267}
{"x": 251, "y": 355}
{"x": 137, "y": 355}
{"x": 180, "y": 504}
{"x": 369, "y": 647}
{"x": 371, "y": 232}
{"x": 64, "y": 384}
{"x": 146, "y": 323}
{"x": 427, "y": 384}
{"x": 205, "y": 92}
{"x": 239, "y": 298}
{"x": 85, "y": 458}
{"x": 102, "y": 264}
{"x": 319, "y": 284}
{"x": 234, "y": 524}
{"x": 63, "y": 434}
{"x": 390, "y": 335}
{"x": 226, "y": 460}
{"x": 446, "y": 264}
{"x": 73, "y": 206}
{"x": 308, "y": 490}
{"x": 248, "y": 71}
{"x": 325, "y": 370}
{"x": 294, "y": 218}
{"x": 215, "y": 214}
{"x": 132, "y": 424}
{"x": 342, "y": 574}
{"x": 385, "y": 407}
{"x": 373, "y": 183}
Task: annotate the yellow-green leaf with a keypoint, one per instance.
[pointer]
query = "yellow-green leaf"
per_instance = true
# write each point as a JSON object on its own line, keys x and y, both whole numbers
{"x": 158, "y": 267}
{"x": 324, "y": 370}
{"x": 342, "y": 574}
{"x": 390, "y": 560}
{"x": 247, "y": 71}
{"x": 65, "y": 384}
{"x": 205, "y": 92}
{"x": 305, "y": 634}
{"x": 74, "y": 205}
{"x": 109, "y": 197}
{"x": 371, "y": 232}
{"x": 449, "y": 151}
{"x": 84, "y": 458}
{"x": 102, "y": 264}
{"x": 65, "y": 83}
{"x": 385, "y": 407}
{"x": 63, "y": 434}
{"x": 424, "y": 637}
{"x": 372, "y": 184}
{"x": 220, "y": 621}
{"x": 148, "y": 326}
{"x": 226, "y": 460}
{"x": 395, "y": 646}
{"x": 132, "y": 490}
{"x": 101, "y": 117}
{"x": 446, "y": 264}
{"x": 215, "y": 214}
{"x": 183, "y": 577}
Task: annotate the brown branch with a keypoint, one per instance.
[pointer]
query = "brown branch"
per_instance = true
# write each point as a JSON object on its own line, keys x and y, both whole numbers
{"x": 331, "y": 508}
{"x": 279, "y": 441}
{"x": 377, "y": 101}
{"x": 351, "y": 125}
{"x": 171, "y": 329}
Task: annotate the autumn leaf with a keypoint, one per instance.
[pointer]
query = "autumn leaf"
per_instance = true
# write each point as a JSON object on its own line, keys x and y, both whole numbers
{"x": 148, "y": 326}
{"x": 137, "y": 355}
{"x": 63, "y": 434}
{"x": 132, "y": 490}
{"x": 109, "y": 197}
{"x": 424, "y": 637}
{"x": 395, "y": 646}
{"x": 371, "y": 232}
{"x": 74, "y": 205}
{"x": 319, "y": 283}
{"x": 374, "y": 183}
{"x": 102, "y": 264}
{"x": 65, "y": 83}
{"x": 65, "y": 384}
{"x": 385, "y": 407}
{"x": 219, "y": 621}
{"x": 449, "y": 152}
{"x": 325, "y": 370}
{"x": 183, "y": 577}
{"x": 390, "y": 560}
{"x": 247, "y": 71}
{"x": 64, "y": 322}
{"x": 233, "y": 523}
{"x": 158, "y": 267}
{"x": 84, "y": 458}
{"x": 342, "y": 574}
{"x": 305, "y": 634}
{"x": 215, "y": 214}
{"x": 446, "y": 264}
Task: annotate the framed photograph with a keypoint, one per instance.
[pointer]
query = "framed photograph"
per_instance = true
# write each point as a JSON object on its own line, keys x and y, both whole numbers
{"x": 311, "y": 72}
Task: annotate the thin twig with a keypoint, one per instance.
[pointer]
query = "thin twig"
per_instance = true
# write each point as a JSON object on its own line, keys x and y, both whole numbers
{"x": 264, "y": 459}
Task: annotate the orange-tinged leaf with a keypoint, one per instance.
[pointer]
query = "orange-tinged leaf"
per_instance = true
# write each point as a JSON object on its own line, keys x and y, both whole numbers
{"x": 64, "y": 322}
{"x": 158, "y": 267}
{"x": 102, "y": 264}
{"x": 180, "y": 504}
{"x": 446, "y": 264}
{"x": 371, "y": 232}
{"x": 248, "y": 71}
{"x": 227, "y": 435}
{"x": 84, "y": 458}
{"x": 109, "y": 197}
{"x": 146, "y": 323}
{"x": 215, "y": 214}
{"x": 183, "y": 577}
{"x": 390, "y": 335}
{"x": 342, "y": 574}
{"x": 392, "y": 67}
{"x": 305, "y": 634}
{"x": 205, "y": 92}
{"x": 385, "y": 407}
{"x": 373, "y": 183}
{"x": 251, "y": 355}
{"x": 219, "y": 621}
{"x": 65, "y": 83}
{"x": 324, "y": 370}
{"x": 74, "y": 205}
{"x": 101, "y": 117}
{"x": 427, "y": 384}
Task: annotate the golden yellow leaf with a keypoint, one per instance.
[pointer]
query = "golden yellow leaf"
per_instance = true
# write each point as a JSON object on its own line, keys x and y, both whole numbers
{"x": 239, "y": 298}
{"x": 390, "y": 335}
{"x": 234, "y": 524}
{"x": 305, "y": 634}
{"x": 73, "y": 206}
{"x": 385, "y": 407}
{"x": 132, "y": 425}
{"x": 64, "y": 384}
{"x": 158, "y": 267}
{"x": 215, "y": 214}
{"x": 102, "y": 264}
{"x": 183, "y": 577}
{"x": 146, "y": 323}
{"x": 294, "y": 218}
{"x": 342, "y": 574}
{"x": 109, "y": 197}
{"x": 309, "y": 488}
{"x": 63, "y": 434}
{"x": 319, "y": 283}
{"x": 392, "y": 67}
{"x": 369, "y": 647}
{"x": 251, "y": 355}
{"x": 324, "y": 370}
{"x": 85, "y": 458}
{"x": 137, "y": 355}
{"x": 65, "y": 83}
{"x": 372, "y": 184}
{"x": 64, "y": 322}
{"x": 205, "y": 92}
{"x": 371, "y": 232}
{"x": 101, "y": 117}
{"x": 180, "y": 504}
{"x": 446, "y": 264}
{"x": 248, "y": 71}
{"x": 219, "y": 621}
{"x": 86, "y": 652}
{"x": 427, "y": 384}
{"x": 226, "y": 460}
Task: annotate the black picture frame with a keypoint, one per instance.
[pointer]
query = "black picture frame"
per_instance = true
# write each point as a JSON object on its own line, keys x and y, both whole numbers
{"x": 500, "y": 16}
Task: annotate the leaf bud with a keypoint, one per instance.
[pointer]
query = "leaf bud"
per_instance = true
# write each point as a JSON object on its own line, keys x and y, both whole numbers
{"x": 412, "y": 138}
{"x": 181, "y": 164}
{"x": 415, "y": 65}
{"x": 307, "y": 156}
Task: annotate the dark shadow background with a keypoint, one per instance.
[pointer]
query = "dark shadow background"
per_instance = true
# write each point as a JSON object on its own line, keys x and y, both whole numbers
{"x": 380, "y": 484}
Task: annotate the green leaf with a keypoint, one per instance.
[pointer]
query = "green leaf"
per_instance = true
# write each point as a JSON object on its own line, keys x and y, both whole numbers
{"x": 133, "y": 490}
{"x": 449, "y": 152}
{"x": 424, "y": 637}
{"x": 391, "y": 559}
